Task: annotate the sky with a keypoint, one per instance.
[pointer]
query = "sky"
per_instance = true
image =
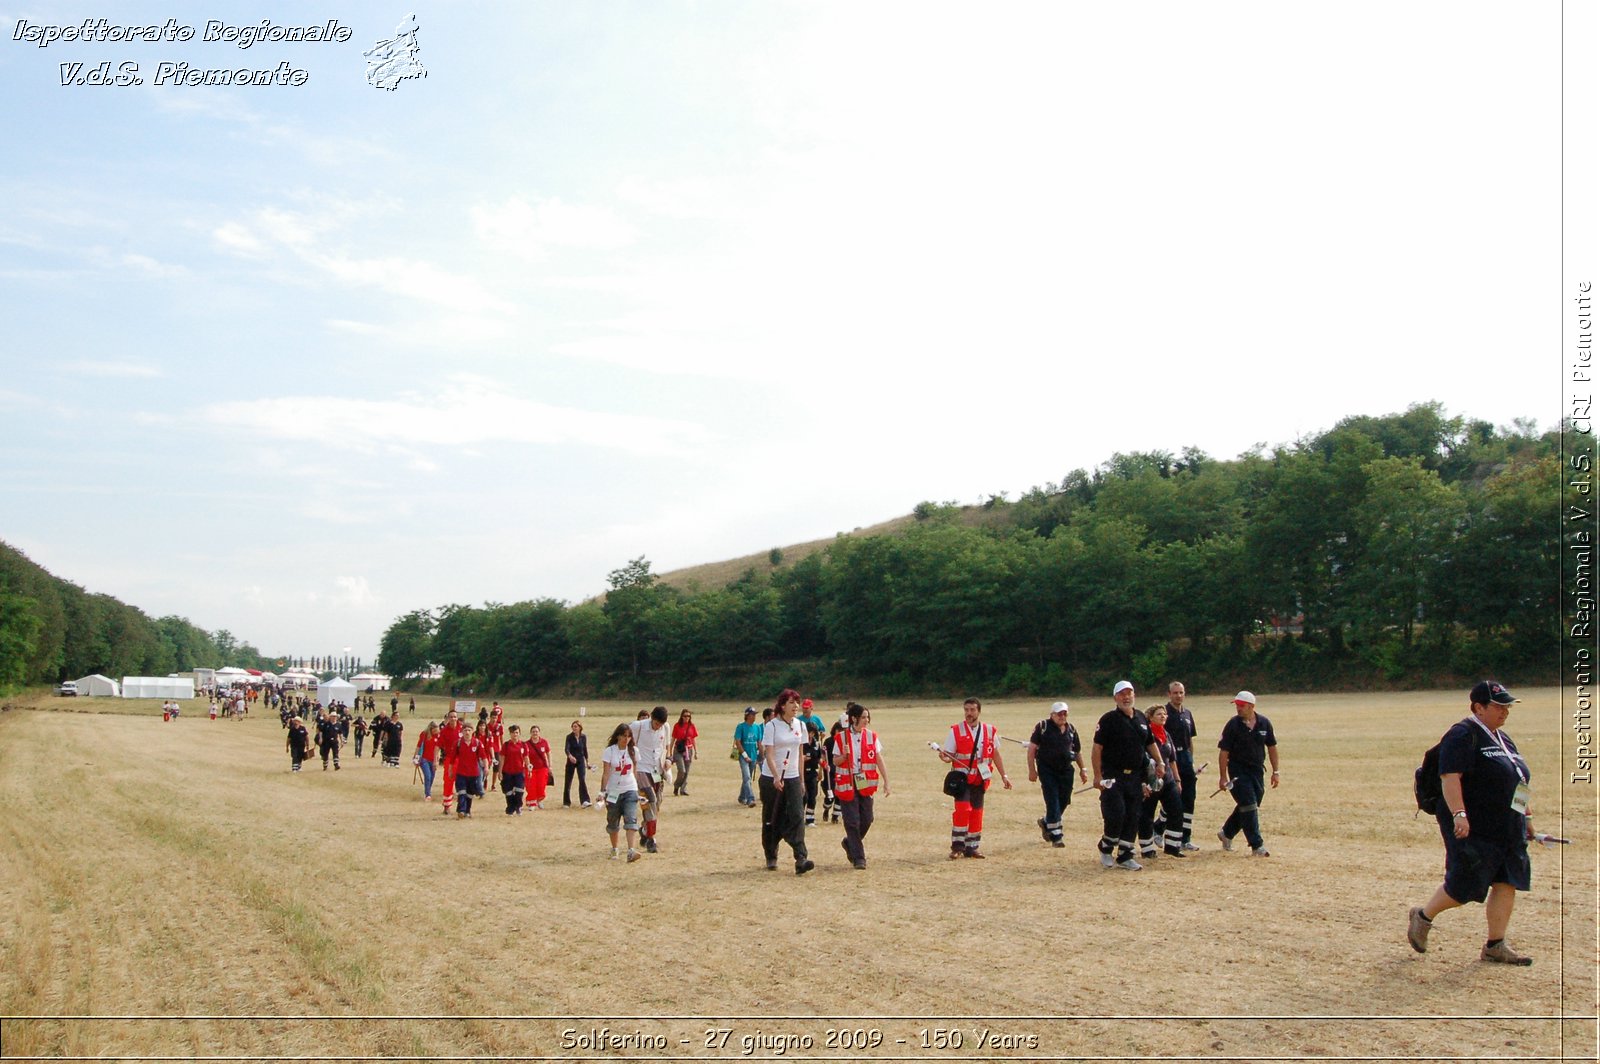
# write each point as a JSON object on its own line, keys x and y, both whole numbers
{"x": 691, "y": 279}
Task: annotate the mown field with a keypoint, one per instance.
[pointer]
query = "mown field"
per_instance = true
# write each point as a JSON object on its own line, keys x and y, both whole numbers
{"x": 172, "y": 890}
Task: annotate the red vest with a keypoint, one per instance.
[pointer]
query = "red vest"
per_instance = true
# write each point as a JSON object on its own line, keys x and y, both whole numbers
{"x": 985, "y": 734}
{"x": 844, "y": 774}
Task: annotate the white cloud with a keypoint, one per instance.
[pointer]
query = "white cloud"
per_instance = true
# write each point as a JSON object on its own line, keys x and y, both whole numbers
{"x": 532, "y": 230}
{"x": 467, "y": 412}
{"x": 91, "y": 368}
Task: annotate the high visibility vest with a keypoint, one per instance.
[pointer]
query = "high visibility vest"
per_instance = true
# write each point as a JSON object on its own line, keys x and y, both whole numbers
{"x": 978, "y": 771}
{"x": 844, "y": 776}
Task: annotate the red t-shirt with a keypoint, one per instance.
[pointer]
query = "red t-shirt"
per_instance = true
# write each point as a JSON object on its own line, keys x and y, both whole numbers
{"x": 514, "y": 757}
{"x": 427, "y": 746}
{"x": 449, "y": 738}
{"x": 467, "y": 756}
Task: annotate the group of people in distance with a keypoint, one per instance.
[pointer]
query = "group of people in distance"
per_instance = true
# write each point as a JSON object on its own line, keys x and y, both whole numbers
{"x": 1141, "y": 763}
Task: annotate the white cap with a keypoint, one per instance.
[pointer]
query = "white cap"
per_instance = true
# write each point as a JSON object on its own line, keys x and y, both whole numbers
{"x": 1059, "y": 707}
{"x": 1246, "y": 697}
{"x": 1122, "y": 685}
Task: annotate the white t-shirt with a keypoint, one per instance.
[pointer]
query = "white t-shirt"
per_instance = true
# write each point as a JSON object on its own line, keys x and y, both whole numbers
{"x": 649, "y": 744}
{"x": 621, "y": 780}
{"x": 785, "y": 741}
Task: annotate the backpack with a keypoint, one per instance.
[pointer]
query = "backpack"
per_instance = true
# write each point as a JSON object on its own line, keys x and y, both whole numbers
{"x": 1426, "y": 786}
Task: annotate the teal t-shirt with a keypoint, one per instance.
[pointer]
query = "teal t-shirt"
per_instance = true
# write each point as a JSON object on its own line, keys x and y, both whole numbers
{"x": 748, "y": 736}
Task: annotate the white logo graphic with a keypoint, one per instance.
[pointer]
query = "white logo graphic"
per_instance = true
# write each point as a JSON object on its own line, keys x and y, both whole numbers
{"x": 392, "y": 61}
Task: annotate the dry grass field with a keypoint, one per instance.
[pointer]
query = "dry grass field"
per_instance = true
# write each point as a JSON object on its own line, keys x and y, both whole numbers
{"x": 173, "y": 891}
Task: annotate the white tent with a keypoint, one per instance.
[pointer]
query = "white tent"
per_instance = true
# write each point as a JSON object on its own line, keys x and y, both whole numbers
{"x": 374, "y": 680}
{"x": 157, "y": 687}
{"x": 229, "y": 676}
{"x": 336, "y": 690}
{"x": 299, "y": 678}
{"x": 97, "y": 686}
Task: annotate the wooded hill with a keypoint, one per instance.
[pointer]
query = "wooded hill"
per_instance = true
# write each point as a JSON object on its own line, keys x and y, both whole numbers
{"x": 1408, "y": 549}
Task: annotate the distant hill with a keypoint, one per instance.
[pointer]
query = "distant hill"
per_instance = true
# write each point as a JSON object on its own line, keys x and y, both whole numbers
{"x": 720, "y": 574}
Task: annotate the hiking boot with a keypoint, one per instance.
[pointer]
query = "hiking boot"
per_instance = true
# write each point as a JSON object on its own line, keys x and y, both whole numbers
{"x": 1058, "y": 844}
{"x": 1148, "y": 855}
{"x": 858, "y": 865}
{"x": 976, "y": 856}
{"x": 1044, "y": 831}
{"x": 772, "y": 864}
{"x": 956, "y": 855}
{"x": 1500, "y": 953}
{"x": 650, "y": 846}
{"x": 1129, "y": 864}
{"x": 802, "y": 867}
{"x": 1227, "y": 843}
{"x": 1417, "y": 928}
{"x": 1106, "y": 860}
{"x": 633, "y": 855}
{"x": 1174, "y": 851}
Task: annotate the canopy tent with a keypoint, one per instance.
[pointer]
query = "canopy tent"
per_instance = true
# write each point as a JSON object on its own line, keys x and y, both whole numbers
{"x": 229, "y": 676}
{"x": 157, "y": 687}
{"x": 97, "y": 686}
{"x": 299, "y": 678}
{"x": 370, "y": 681}
{"x": 336, "y": 690}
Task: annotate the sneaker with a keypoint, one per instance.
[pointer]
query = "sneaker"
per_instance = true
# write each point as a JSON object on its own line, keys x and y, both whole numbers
{"x": 1174, "y": 851}
{"x": 1129, "y": 864}
{"x": 1058, "y": 844}
{"x": 772, "y": 864}
{"x": 1500, "y": 953}
{"x": 1044, "y": 831}
{"x": 1259, "y": 851}
{"x": 1190, "y": 846}
{"x": 976, "y": 856}
{"x": 859, "y": 865}
{"x": 1148, "y": 855}
{"x": 956, "y": 855}
{"x": 1227, "y": 843}
{"x": 650, "y": 846}
{"x": 615, "y": 853}
{"x": 587, "y": 804}
{"x": 811, "y": 821}
{"x": 1106, "y": 860}
{"x": 802, "y": 867}
{"x": 1417, "y": 928}
{"x": 633, "y": 855}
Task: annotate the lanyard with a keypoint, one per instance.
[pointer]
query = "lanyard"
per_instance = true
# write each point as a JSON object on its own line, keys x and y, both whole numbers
{"x": 1501, "y": 743}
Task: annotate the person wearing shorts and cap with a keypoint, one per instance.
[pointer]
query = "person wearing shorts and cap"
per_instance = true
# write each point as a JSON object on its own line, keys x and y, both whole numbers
{"x": 1247, "y": 743}
{"x": 1484, "y": 821}
{"x": 1053, "y": 749}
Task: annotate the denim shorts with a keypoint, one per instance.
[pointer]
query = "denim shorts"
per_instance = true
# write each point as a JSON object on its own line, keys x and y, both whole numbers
{"x": 623, "y": 812}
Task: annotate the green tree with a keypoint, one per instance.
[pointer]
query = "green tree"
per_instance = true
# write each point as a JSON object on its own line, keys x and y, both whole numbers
{"x": 406, "y": 648}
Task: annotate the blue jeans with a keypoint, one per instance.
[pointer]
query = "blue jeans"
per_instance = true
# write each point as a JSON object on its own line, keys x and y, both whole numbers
{"x": 427, "y": 778}
{"x": 747, "y": 794}
{"x": 1248, "y": 790}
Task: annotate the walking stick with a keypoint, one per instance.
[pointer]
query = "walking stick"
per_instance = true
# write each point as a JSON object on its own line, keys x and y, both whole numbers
{"x": 1549, "y": 840}
{"x": 1225, "y": 787}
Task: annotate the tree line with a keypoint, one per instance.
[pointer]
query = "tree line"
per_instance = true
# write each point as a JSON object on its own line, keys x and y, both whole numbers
{"x": 1386, "y": 548}
{"x": 53, "y": 630}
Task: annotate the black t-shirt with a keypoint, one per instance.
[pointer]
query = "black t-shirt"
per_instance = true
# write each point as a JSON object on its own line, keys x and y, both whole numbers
{"x": 1246, "y": 746}
{"x": 1489, "y": 775}
{"x": 1057, "y": 749}
{"x": 1181, "y": 726}
{"x": 1122, "y": 740}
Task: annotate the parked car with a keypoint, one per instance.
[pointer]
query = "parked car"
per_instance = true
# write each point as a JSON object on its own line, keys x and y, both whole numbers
{"x": 68, "y": 689}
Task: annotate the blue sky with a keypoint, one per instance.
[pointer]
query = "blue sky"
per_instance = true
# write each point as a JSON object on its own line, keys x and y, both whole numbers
{"x": 693, "y": 279}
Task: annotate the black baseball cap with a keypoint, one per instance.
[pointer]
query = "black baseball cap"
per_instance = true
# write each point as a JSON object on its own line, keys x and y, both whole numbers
{"x": 1486, "y": 691}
